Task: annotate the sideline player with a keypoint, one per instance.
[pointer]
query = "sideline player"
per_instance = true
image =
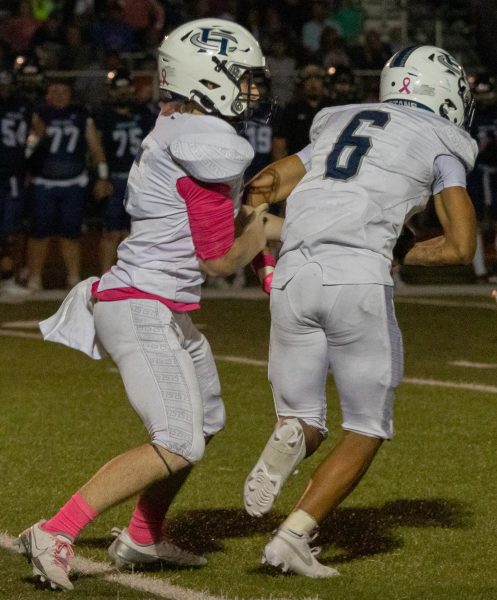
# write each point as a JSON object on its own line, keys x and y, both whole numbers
{"x": 122, "y": 125}
{"x": 64, "y": 134}
{"x": 15, "y": 119}
{"x": 183, "y": 192}
{"x": 370, "y": 168}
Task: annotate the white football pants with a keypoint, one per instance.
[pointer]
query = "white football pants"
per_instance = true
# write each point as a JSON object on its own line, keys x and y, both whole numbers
{"x": 351, "y": 329}
{"x": 168, "y": 371}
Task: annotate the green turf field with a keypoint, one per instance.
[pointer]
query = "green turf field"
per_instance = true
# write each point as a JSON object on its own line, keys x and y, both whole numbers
{"x": 422, "y": 525}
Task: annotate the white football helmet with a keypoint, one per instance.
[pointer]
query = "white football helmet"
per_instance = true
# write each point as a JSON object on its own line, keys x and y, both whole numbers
{"x": 430, "y": 78}
{"x": 205, "y": 60}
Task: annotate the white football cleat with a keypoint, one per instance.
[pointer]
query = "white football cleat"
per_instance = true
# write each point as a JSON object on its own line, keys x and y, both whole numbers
{"x": 290, "y": 551}
{"x": 49, "y": 554}
{"x": 127, "y": 553}
{"x": 283, "y": 452}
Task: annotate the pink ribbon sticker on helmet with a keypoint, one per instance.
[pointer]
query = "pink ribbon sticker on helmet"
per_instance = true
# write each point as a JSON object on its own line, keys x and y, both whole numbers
{"x": 405, "y": 85}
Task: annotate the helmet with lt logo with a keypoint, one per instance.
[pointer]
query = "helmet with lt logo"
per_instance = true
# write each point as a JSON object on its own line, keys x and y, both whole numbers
{"x": 430, "y": 78}
{"x": 214, "y": 62}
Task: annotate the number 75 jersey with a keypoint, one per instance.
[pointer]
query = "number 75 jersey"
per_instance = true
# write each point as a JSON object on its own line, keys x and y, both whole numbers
{"x": 372, "y": 168}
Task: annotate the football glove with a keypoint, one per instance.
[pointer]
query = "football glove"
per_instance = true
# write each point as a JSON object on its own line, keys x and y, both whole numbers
{"x": 405, "y": 242}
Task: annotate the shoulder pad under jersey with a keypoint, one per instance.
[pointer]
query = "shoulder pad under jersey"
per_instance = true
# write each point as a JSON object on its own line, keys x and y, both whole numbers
{"x": 459, "y": 143}
{"x": 319, "y": 123}
{"x": 212, "y": 157}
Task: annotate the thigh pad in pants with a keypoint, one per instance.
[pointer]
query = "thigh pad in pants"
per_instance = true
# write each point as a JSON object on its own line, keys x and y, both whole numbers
{"x": 147, "y": 345}
{"x": 350, "y": 328}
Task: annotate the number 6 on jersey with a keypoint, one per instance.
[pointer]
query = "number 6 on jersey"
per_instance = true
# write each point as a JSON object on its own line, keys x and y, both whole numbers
{"x": 345, "y": 159}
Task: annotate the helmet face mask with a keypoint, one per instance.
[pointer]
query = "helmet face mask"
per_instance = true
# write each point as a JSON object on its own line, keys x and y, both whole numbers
{"x": 430, "y": 78}
{"x": 215, "y": 63}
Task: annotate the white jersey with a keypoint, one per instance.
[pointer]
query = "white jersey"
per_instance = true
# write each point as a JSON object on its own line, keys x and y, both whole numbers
{"x": 373, "y": 166}
{"x": 159, "y": 256}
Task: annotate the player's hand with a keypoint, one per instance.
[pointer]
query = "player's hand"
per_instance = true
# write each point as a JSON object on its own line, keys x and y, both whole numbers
{"x": 102, "y": 189}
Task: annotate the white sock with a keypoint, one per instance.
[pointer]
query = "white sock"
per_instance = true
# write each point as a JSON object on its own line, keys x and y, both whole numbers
{"x": 300, "y": 522}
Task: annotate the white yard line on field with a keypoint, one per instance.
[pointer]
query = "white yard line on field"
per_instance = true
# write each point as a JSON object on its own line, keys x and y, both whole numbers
{"x": 457, "y": 385}
{"x": 149, "y": 585}
{"x": 475, "y": 387}
{"x": 473, "y": 365}
{"x": 20, "y": 334}
{"x": 242, "y": 360}
{"x": 448, "y": 303}
{"x": 136, "y": 581}
{"x": 20, "y": 324}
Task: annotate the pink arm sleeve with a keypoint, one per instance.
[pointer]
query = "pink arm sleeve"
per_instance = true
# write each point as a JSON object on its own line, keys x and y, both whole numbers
{"x": 211, "y": 216}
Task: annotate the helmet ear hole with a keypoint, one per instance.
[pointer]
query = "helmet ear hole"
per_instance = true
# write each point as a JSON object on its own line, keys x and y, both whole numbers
{"x": 210, "y": 85}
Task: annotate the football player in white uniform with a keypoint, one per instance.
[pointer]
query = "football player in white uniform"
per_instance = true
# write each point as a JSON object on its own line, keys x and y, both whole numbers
{"x": 183, "y": 195}
{"x": 368, "y": 169}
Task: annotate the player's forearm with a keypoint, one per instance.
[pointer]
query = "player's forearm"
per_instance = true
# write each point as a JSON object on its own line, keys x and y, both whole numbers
{"x": 250, "y": 239}
{"x": 243, "y": 250}
{"x": 440, "y": 251}
{"x": 457, "y": 245}
{"x": 276, "y": 182}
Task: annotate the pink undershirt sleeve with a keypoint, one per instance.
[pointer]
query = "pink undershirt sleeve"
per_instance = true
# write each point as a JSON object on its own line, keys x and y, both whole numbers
{"x": 211, "y": 216}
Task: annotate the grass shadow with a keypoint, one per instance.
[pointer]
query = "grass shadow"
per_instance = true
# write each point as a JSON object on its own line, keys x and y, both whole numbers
{"x": 362, "y": 532}
{"x": 357, "y": 532}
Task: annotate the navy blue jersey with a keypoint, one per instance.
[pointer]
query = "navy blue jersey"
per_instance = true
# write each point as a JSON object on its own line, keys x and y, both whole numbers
{"x": 15, "y": 118}
{"x": 484, "y": 130}
{"x": 260, "y": 137}
{"x": 61, "y": 153}
{"x": 122, "y": 135}
{"x": 293, "y": 123}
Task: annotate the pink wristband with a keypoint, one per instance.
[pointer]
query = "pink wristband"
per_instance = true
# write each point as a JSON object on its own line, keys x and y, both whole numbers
{"x": 263, "y": 265}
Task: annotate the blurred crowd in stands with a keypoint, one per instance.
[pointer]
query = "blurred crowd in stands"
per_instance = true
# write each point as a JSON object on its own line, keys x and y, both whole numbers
{"x": 84, "y": 70}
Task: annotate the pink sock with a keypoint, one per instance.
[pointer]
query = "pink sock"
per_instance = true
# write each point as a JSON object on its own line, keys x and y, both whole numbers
{"x": 72, "y": 517}
{"x": 146, "y": 522}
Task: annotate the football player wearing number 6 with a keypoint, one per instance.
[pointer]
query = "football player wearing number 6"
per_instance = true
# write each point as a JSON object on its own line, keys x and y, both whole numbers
{"x": 368, "y": 169}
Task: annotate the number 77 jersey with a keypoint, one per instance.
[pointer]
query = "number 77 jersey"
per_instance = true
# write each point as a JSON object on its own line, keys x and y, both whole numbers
{"x": 373, "y": 166}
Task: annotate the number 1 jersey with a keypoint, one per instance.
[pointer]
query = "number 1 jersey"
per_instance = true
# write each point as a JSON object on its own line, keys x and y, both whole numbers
{"x": 373, "y": 166}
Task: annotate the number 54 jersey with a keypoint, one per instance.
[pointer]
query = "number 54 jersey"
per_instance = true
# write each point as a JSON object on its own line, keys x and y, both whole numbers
{"x": 372, "y": 167}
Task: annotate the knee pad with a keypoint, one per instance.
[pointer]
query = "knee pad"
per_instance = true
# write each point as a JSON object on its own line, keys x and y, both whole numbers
{"x": 191, "y": 450}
